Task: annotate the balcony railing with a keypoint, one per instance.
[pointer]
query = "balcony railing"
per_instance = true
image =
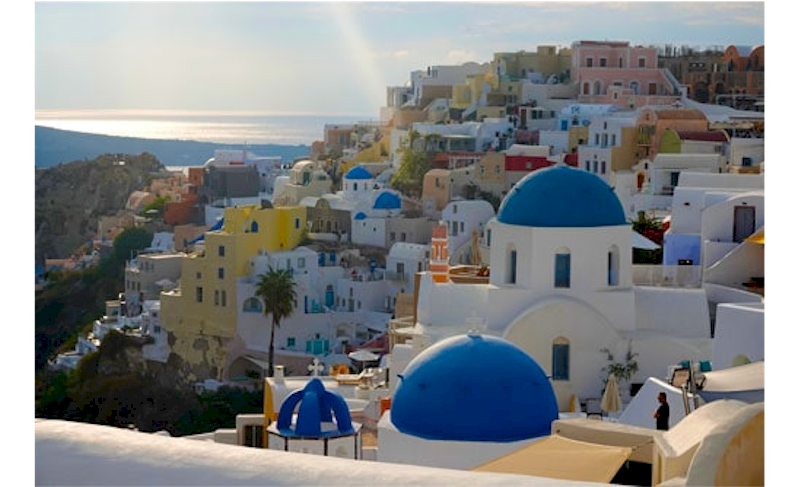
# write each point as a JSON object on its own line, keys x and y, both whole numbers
{"x": 668, "y": 275}
{"x": 396, "y": 276}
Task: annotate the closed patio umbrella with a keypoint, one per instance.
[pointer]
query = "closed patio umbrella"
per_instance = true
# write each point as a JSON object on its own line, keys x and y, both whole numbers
{"x": 611, "y": 402}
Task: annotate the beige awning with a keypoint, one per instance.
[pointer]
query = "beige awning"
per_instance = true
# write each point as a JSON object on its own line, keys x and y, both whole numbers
{"x": 558, "y": 457}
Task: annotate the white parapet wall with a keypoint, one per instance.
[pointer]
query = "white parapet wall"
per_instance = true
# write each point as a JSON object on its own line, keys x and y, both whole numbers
{"x": 71, "y": 453}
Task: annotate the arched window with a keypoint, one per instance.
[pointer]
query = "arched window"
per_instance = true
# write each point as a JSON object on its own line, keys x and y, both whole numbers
{"x": 254, "y": 227}
{"x": 560, "y": 359}
{"x": 635, "y": 87}
{"x": 252, "y": 305}
{"x": 562, "y": 268}
{"x": 511, "y": 265}
{"x": 613, "y": 266}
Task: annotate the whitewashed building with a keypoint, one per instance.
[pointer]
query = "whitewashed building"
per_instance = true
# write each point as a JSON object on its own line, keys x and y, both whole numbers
{"x": 463, "y": 217}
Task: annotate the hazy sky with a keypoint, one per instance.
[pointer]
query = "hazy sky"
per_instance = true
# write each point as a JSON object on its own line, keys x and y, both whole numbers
{"x": 332, "y": 58}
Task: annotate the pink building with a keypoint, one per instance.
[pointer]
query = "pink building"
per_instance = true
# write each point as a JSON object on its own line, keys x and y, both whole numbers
{"x": 621, "y": 74}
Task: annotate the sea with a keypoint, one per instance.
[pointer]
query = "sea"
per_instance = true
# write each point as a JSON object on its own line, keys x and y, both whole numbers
{"x": 222, "y": 127}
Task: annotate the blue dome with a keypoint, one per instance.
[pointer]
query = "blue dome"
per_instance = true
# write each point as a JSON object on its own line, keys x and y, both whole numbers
{"x": 387, "y": 201}
{"x": 474, "y": 388}
{"x": 360, "y": 216}
{"x": 358, "y": 172}
{"x": 317, "y": 406}
{"x": 561, "y": 196}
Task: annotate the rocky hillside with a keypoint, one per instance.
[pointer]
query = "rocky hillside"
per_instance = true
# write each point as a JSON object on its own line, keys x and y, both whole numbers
{"x": 70, "y": 198}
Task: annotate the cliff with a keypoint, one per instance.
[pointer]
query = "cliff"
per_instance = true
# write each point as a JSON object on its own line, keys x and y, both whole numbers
{"x": 70, "y": 199}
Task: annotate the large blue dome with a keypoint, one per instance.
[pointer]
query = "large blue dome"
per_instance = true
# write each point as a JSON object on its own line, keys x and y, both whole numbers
{"x": 474, "y": 388}
{"x": 561, "y": 196}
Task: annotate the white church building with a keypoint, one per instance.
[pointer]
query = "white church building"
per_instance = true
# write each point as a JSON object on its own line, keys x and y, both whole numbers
{"x": 560, "y": 288}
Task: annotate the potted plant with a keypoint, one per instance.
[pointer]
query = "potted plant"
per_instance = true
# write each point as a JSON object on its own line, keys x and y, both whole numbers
{"x": 623, "y": 369}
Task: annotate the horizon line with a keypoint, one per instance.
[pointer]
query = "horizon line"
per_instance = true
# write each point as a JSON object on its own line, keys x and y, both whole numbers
{"x": 87, "y": 113}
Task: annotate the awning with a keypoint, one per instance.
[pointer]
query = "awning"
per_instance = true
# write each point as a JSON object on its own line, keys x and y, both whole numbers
{"x": 263, "y": 365}
{"x": 558, "y": 457}
{"x": 642, "y": 242}
{"x": 757, "y": 237}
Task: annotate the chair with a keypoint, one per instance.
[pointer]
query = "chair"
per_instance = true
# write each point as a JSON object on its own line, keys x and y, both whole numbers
{"x": 593, "y": 410}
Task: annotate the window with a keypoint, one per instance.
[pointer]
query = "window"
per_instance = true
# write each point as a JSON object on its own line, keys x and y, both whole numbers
{"x": 489, "y": 238}
{"x": 296, "y": 223}
{"x": 562, "y": 270}
{"x": 602, "y": 167}
{"x": 224, "y": 296}
{"x": 560, "y": 359}
{"x": 198, "y": 294}
{"x": 589, "y": 62}
{"x": 216, "y": 298}
{"x": 403, "y": 236}
{"x": 198, "y": 275}
{"x": 252, "y": 305}
{"x": 221, "y": 272}
{"x": 392, "y": 236}
{"x": 290, "y": 342}
{"x": 221, "y": 251}
{"x": 301, "y": 262}
{"x": 641, "y": 62}
{"x": 511, "y": 271}
{"x": 454, "y": 231}
{"x": 613, "y": 266}
{"x": 455, "y": 209}
{"x": 602, "y": 62}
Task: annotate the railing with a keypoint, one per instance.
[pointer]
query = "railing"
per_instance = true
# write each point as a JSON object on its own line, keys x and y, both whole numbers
{"x": 667, "y": 275}
{"x": 396, "y": 276}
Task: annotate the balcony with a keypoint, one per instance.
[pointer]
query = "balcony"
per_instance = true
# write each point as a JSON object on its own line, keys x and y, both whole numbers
{"x": 396, "y": 276}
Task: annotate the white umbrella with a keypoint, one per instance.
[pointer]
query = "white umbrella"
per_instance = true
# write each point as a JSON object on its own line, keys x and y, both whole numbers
{"x": 363, "y": 356}
{"x": 611, "y": 402}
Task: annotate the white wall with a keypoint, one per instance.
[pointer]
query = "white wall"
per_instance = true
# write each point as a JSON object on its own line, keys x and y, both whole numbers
{"x": 739, "y": 330}
{"x": 641, "y": 408}
{"x": 369, "y": 231}
{"x": 69, "y": 453}
{"x": 395, "y": 446}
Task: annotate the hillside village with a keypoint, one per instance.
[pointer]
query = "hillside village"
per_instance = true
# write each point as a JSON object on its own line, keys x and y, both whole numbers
{"x": 355, "y": 251}
{"x": 580, "y": 204}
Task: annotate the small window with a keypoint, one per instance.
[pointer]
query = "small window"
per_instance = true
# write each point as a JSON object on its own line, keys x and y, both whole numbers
{"x": 560, "y": 359}
{"x": 216, "y": 298}
{"x": 221, "y": 273}
{"x": 198, "y": 294}
{"x": 301, "y": 262}
{"x": 512, "y": 267}
{"x": 221, "y": 251}
{"x": 224, "y": 300}
{"x": 296, "y": 223}
{"x": 290, "y": 342}
{"x": 562, "y": 270}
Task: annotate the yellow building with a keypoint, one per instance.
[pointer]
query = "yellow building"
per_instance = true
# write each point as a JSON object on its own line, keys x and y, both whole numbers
{"x": 201, "y": 314}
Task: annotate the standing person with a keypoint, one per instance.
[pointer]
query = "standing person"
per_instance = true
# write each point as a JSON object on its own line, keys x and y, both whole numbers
{"x": 662, "y": 413}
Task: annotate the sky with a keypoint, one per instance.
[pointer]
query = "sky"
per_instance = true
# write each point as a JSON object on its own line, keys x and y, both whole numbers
{"x": 331, "y": 58}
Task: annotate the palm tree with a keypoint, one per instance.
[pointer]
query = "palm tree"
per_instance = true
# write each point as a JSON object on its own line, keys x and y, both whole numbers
{"x": 276, "y": 289}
